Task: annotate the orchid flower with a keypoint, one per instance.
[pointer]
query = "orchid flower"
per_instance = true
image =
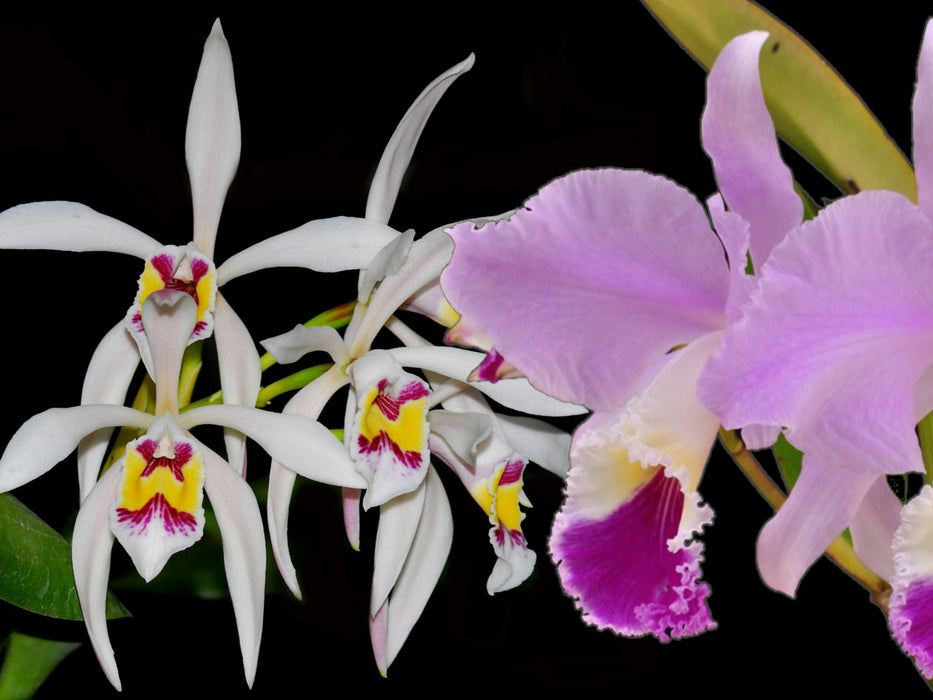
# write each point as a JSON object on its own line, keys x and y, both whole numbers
{"x": 618, "y": 293}
{"x": 390, "y": 433}
{"x": 212, "y": 149}
{"x": 151, "y": 499}
{"x": 836, "y": 345}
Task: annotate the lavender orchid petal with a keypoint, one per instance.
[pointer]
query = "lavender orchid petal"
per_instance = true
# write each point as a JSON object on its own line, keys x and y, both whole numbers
{"x": 212, "y": 139}
{"x": 91, "y": 545}
{"x": 72, "y": 227}
{"x": 873, "y": 527}
{"x": 611, "y": 258}
{"x": 324, "y": 245}
{"x": 922, "y": 118}
{"x": 739, "y": 137}
{"x": 47, "y": 438}
{"x": 244, "y": 552}
{"x": 834, "y": 340}
{"x": 823, "y": 502}
{"x": 397, "y": 155}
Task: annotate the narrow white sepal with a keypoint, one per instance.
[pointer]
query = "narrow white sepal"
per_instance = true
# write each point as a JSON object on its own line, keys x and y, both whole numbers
{"x": 212, "y": 138}
{"x": 397, "y": 155}
{"x": 297, "y": 442}
{"x": 278, "y": 502}
{"x": 73, "y": 227}
{"x": 107, "y": 380}
{"x": 244, "y": 545}
{"x": 458, "y": 363}
{"x": 398, "y": 522}
{"x": 423, "y": 567}
{"x": 294, "y": 344}
{"x": 47, "y": 438}
{"x": 324, "y": 245}
{"x": 240, "y": 373}
{"x": 91, "y": 545}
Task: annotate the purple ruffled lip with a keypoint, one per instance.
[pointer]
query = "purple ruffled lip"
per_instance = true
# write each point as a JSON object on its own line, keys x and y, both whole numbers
{"x": 622, "y": 571}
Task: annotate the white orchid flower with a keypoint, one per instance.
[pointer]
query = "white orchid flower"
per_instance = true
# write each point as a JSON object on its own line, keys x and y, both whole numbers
{"x": 151, "y": 499}
{"x": 212, "y": 149}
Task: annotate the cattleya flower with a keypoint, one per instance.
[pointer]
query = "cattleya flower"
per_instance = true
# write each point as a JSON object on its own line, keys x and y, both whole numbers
{"x": 212, "y": 150}
{"x": 618, "y": 275}
{"x": 151, "y": 499}
{"x": 836, "y": 345}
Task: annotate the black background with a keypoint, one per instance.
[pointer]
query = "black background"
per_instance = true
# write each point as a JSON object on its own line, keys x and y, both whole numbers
{"x": 93, "y": 109}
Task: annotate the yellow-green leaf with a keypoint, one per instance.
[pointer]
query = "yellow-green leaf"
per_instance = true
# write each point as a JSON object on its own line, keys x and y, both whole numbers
{"x": 812, "y": 107}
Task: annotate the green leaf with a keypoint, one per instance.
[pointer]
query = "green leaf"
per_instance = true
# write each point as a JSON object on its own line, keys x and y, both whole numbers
{"x": 28, "y": 662}
{"x": 35, "y": 565}
{"x": 812, "y": 107}
{"x": 789, "y": 460}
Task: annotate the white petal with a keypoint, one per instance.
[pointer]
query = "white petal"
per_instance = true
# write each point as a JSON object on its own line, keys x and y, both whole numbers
{"x": 300, "y": 340}
{"x": 212, "y": 139}
{"x": 398, "y": 152}
{"x": 91, "y": 545}
{"x": 398, "y": 522}
{"x": 169, "y": 318}
{"x": 426, "y": 259}
{"x": 388, "y": 261}
{"x": 244, "y": 552}
{"x": 538, "y": 442}
{"x": 47, "y": 438}
{"x": 240, "y": 373}
{"x": 107, "y": 380}
{"x": 70, "y": 226}
{"x": 297, "y": 442}
{"x": 422, "y": 568}
{"x": 873, "y": 527}
{"x": 458, "y": 363}
{"x": 461, "y": 432}
{"x": 324, "y": 245}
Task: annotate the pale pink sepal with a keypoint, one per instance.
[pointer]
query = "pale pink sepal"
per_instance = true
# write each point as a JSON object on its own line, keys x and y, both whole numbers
{"x": 873, "y": 526}
{"x": 240, "y": 373}
{"x": 377, "y": 635}
{"x": 107, "y": 380}
{"x": 821, "y": 505}
{"x": 212, "y": 138}
{"x": 48, "y": 437}
{"x": 760, "y": 437}
{"x": 324, "y": 245}
{"x": 72, "y": 227}
{"x": 922, "y": 119}
{"x": 244, "y": 545}
{"x": 739, "y": 137}
{"x": 91, "y": 545}
{"x": 398, "y": 522}
{"x": 397, "y": 155}
{"x": 423, "y": 567}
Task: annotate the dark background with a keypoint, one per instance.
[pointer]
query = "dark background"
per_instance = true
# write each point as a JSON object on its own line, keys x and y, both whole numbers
{"x": 93, "y": 109}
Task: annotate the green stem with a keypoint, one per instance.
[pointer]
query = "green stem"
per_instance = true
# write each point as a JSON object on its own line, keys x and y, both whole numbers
{"x": 840, "y": 551}
{"x": 290, "y": 383}
{"x": 925, "y": 433}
